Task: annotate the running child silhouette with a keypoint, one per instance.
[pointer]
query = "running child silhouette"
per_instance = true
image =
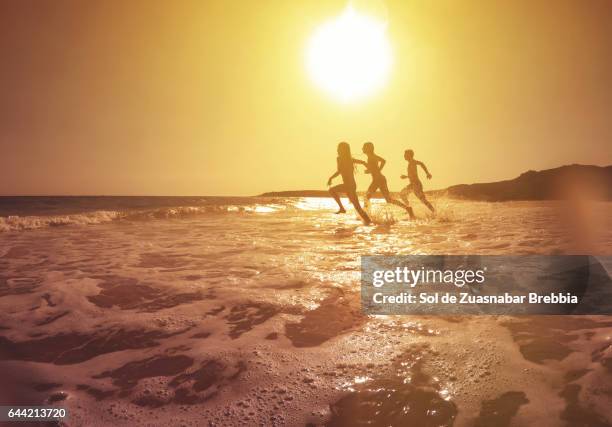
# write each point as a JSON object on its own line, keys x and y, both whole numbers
{"x": 374, "y": 165}
{"x": 346, "y": 169}
{"x": 415, "y": 185}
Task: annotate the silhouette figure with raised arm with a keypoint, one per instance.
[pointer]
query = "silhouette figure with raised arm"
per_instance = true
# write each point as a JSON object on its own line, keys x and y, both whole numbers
{"x": 346, "y": 169}
{"x": 375, "y": 164}
{"x": 415, "y": 185}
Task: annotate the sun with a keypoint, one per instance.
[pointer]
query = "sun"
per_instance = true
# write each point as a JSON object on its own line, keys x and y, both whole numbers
{"x": 350, "y": 56}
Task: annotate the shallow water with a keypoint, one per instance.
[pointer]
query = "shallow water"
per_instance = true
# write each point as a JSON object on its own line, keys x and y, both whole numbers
{"x": 247, "y": 311}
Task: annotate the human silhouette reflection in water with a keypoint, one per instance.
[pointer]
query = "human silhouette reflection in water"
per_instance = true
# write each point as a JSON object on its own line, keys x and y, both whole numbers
{"x": 415, "y": 185}
{"x": 346, "y": 169}
{"x": 374, "y": 165}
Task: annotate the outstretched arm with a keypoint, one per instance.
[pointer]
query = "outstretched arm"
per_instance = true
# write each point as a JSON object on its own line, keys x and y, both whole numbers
{"x": 331, "y": 178}
{"x": 425, "y": 169}
{"x": 361, "y": 162}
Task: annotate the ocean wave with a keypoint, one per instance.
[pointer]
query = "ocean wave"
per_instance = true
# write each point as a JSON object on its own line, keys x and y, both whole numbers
{"x": 32, "y": 222}
{"x": 19, "y": 223}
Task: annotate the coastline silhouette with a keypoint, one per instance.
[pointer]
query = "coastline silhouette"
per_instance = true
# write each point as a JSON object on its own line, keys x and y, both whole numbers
{"x": 346, "y": 169}
{"x": 375, "y": 164}
{"x": 415, "y": 186}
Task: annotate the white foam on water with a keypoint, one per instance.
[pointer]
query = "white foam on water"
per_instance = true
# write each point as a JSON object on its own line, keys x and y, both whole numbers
{"x": 32, "y": 222}
{"x": 257, "y": 273}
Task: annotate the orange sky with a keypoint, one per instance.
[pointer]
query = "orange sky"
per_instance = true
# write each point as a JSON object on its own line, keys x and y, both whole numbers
{"x": 213, "y": 98}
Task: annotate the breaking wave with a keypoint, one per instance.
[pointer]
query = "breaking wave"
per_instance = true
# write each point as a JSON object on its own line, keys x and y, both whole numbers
{"x": 31, "y": 222}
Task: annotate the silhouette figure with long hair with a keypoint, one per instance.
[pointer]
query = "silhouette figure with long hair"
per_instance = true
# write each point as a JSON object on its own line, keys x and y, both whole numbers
{"x": 346, "y": 169}
{"x": 415, "y": 185}
{"x": 375, "y": 164}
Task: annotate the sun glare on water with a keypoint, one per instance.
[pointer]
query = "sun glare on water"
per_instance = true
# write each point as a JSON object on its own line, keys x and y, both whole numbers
{"x": 350, "y": 57}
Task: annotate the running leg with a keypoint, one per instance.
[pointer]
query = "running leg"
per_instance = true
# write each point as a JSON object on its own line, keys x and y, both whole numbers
{"x": 335, "y": 194}
{"x": 387, "y": 195}
{"x": 404, "y": 194}
{"x": 423, "y": 199}
{"x": 371, "y": 190}
{"x": 352, "y": 195}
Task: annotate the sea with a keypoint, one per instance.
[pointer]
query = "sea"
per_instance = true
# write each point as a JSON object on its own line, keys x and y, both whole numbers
{"x": 246, "y": 311}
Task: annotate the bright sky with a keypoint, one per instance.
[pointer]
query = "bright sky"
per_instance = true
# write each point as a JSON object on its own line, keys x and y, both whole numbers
{"x": 216, "y": 98}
